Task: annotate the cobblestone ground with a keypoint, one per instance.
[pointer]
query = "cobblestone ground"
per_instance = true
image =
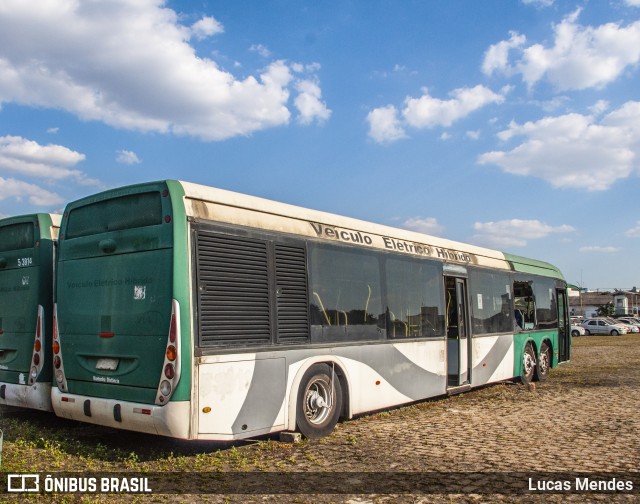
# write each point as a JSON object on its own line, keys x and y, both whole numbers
{"x": 585, "y": 418}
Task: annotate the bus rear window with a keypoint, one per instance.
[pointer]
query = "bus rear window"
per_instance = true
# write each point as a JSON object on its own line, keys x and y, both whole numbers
{"x": 124, "y": 212}
{"x": 17, "y": 236}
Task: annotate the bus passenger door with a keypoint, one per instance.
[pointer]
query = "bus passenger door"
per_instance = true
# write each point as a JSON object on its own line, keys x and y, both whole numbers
{"x": 458, "y": 337}
{"x": 564, "y": 330}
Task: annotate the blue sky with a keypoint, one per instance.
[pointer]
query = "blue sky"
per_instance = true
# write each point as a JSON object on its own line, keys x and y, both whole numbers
{"x": 508, "y": 124}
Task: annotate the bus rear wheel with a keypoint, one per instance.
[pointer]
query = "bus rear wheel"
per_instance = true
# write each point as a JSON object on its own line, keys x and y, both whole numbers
{"x": 544, "y": 363}
{"x": 528, "y": 364}
{"x": 319, "y": 402}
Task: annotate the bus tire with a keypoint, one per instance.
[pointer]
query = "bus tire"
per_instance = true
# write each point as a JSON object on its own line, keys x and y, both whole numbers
{"x": 319, "y": 402}
{"x": 544, "y": 363}
{"x": 528, "y": 363}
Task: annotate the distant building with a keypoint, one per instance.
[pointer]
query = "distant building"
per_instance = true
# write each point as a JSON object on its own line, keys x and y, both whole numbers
{"x": 586, "y": 304}
{"x": 626, "y": 302}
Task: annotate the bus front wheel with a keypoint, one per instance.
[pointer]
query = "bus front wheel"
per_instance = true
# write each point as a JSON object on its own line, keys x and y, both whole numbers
{"x": 528, "y": 364}
{"x": 319, "y": 402}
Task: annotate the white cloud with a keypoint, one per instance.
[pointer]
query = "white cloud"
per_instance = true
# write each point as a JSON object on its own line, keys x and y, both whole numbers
{"x": 599, "y": 250}
{"x": 128, "y": 63}
{"x": 309, "y": 103}
{"x": 633, "y": 232}
{"x": 127, "y": 157}
{"x": 600, "y": 107}
{"x": 387, "y": 125}
{"x": 538, "y": 3}
{"x": 632, "y": 3}
{"x": 427, "y": 112}
{"x": 581, "y": 56}
{"x": 12, "y": 188}
{"x": 27, "y": 157}
{"x": 496, "y": 58}
{"x": 574, "y": 150}
{"x": 206, "y": 27}
{"x": 384, "y": 125}
{"x": 261, "y": 50}
{"x": 427, "y": 225}
{"x": 514, "y": 232}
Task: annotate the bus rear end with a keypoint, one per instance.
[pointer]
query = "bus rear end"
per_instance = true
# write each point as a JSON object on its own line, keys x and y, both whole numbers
{"x": 117, "y": 333}
{"x": 26, "y": 305}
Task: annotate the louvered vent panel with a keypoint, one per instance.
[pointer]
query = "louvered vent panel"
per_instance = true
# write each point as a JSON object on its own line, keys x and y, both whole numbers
{"x": 233, "y": 290}
{"x": 291, "y": 282}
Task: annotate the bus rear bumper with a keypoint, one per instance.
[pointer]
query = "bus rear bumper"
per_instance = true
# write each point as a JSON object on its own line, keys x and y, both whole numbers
{"x": 172, "y": 419}
{"x": 37, "y": 396}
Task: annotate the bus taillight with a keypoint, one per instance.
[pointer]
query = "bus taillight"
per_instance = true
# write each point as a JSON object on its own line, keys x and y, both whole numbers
{"x": 57, "y": 355}
{"x": 37, "y": 359}
{"x": 171, "y": 367}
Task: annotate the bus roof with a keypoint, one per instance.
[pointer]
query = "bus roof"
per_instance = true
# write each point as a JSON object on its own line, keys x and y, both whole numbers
{"x": 486, "y": 257}
{"x": 526, "y": 265}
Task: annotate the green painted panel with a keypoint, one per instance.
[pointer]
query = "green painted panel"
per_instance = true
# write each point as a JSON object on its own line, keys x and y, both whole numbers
{"x": 181, "y": 287}
{"x": 536, "y": 337}
{"x": 26, "y": 281}
{"x": 114, "y": 291}
{"x": 526, "y": 265}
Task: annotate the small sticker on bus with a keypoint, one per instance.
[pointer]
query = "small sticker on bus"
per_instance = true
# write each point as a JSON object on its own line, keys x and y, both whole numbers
{"x": 139, "y": 292}
{"x": 23, "y": 262}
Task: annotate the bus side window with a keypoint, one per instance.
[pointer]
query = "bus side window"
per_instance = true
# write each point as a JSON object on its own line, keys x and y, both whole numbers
{"x": 346, "y": 302}
{"x": 414, "y": 298}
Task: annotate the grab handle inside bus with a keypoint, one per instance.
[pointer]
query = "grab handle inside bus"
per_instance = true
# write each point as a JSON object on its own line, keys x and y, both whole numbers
{"x": 107, "y": 246}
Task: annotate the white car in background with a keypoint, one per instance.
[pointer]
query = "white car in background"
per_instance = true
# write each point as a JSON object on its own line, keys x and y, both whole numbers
{"x": 631, "y": 323}
{"x": 604, "y": 325}
{"x": 577, "y": 330}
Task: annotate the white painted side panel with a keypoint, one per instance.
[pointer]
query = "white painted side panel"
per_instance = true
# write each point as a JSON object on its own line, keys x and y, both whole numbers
{"x": 223, "y": 387}
{"x": 485, "y": 355}
{"x": 429, "y": 355}
{"x": 241, "y": 397}
{"x": 371, "y": 390}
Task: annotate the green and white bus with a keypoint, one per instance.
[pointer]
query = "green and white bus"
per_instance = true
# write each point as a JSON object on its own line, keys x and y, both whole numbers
{"x": 198, "y": 313}
{"x": 27, "y": 251}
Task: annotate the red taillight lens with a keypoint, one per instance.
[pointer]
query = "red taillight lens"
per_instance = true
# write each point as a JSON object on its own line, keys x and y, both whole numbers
{"x": 38, "y": 328}
{"x": 56, "y": 347}
{"x": 36, "y": 359}
{"x": 172, "y": 329}
{"x": 55, "y": 327}
{"x": 172, "y": 353}
{"x": 37, "y": 345}
{"x": 57, "y": 362}
{"x": 169, "y": 371}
